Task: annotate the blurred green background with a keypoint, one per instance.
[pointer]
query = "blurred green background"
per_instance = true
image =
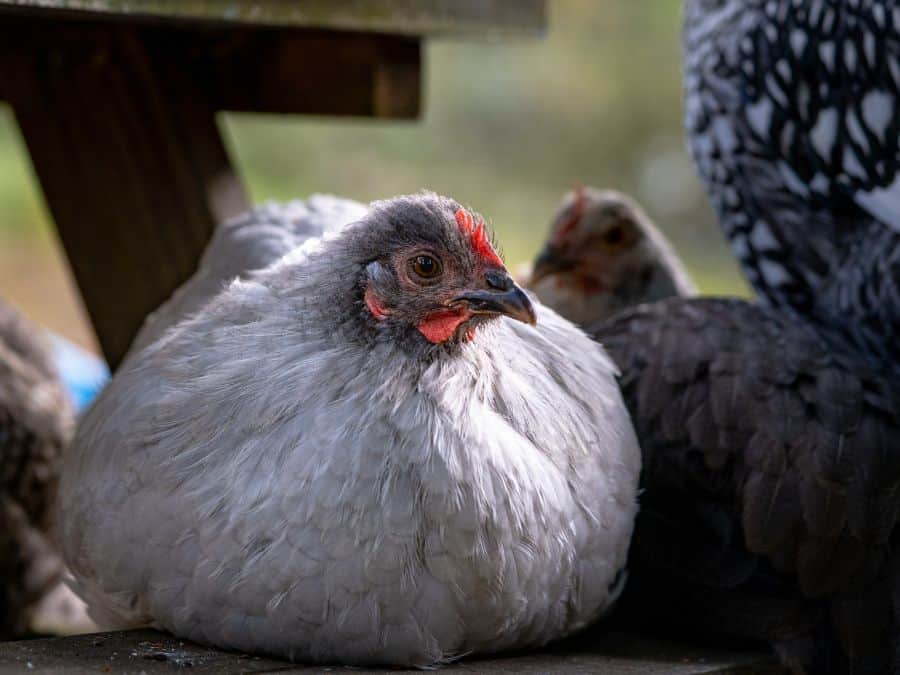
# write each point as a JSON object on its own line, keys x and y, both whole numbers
{"x": 508, "y": 127}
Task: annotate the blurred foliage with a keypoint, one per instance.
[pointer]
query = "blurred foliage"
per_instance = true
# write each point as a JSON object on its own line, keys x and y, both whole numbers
{"x": 508, "y": 127}
{"x": 21, "y": 209}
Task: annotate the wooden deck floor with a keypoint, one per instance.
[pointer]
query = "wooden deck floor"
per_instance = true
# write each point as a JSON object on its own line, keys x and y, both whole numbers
{"x": 152, "y": 652}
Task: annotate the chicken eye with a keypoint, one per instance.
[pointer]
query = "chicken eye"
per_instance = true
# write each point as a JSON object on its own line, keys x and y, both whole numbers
{"x": 426, "y": 266}
{"x": 614, "y": 235}
{"x": 618, "y": 237}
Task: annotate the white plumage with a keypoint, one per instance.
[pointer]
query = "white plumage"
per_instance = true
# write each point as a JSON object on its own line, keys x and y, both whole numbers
{"x": 275, "y": 471}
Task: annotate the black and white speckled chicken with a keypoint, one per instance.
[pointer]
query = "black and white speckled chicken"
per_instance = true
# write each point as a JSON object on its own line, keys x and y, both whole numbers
{"x": 791, "y": 114}
{"x": 771, "y": 480}
{"x": 35, "y": 424}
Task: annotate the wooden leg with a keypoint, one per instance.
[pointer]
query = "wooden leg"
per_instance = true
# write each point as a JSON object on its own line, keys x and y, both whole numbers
{"x": 134, "y": 172}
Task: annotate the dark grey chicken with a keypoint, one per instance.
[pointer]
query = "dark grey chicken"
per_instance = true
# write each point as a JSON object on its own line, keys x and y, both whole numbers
{"x": 35, "y": 424}
{"x": 791, "y": 114}
{"x": 771, "y": 476}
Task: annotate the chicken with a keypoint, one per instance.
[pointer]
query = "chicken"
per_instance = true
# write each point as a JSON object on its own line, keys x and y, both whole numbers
{"x": 604, "y": 254}
{"x": 791, "y": 117}
{"x": 35, "y": 424}
{"x": 771, "y": 480}
{"x": 363, "y": 453}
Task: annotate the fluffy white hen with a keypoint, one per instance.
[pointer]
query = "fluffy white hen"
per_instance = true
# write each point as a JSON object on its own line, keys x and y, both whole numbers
{"x": 362, "y": 453}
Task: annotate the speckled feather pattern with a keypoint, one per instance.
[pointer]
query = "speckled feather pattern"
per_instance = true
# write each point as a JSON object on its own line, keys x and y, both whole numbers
{"x": 263, "y": 479}
{"x": 791, "y": 115}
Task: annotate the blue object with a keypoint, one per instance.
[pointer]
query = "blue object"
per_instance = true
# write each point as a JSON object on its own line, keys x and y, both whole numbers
{"x": 82, "y": 373}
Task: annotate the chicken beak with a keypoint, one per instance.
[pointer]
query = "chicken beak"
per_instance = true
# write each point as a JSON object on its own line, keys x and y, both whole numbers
{"x": 503, "y": 297}
{"x": 547, "y": 264}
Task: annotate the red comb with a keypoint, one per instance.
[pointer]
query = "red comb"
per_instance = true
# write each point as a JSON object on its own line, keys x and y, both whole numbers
{"x": 478, "y": 236}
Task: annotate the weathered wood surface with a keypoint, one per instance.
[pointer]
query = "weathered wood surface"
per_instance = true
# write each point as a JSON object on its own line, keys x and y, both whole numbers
{"x": 410, "y": 17}
{"x": 151, "y": 652}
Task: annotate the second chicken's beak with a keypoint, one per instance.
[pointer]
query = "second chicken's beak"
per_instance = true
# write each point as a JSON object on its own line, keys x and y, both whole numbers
{"x": 547, "y": 264}
{"x": 502, "y": 297}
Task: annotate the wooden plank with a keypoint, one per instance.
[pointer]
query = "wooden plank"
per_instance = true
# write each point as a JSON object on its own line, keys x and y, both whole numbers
{"x": 410, "y": 17}
{"x": 120, "y": 126}
{"x": 293, "y": 71}
{"x": 152, "y": 652}
{"x": 135, "y": 178}
{"x": 142, "y": 651}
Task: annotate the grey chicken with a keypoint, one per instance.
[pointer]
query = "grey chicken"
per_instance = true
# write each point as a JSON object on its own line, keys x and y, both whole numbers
{"x": 771, "y": 479}
{"x": 35, "y": 424}
{"x": 604, "y": 254}
{"x": 363, "y": 452}
{"x": 791, "y": 116}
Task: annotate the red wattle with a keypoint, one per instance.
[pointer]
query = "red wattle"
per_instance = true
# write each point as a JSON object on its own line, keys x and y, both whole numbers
{"x": 440, "y": 326}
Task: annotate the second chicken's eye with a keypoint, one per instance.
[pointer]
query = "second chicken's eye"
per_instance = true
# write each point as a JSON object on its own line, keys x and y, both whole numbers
{"x": 614, "y": 235}
{"x": 426, "y": 266}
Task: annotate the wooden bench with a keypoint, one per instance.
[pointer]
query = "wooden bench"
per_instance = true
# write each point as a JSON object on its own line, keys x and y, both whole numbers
{"x": 151, "y": 652}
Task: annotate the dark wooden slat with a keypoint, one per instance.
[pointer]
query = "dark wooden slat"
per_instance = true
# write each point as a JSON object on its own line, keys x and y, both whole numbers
{"x": 151, "y": 652}
{"x": 412, "y": 17}
{"x": 294, "y": 71}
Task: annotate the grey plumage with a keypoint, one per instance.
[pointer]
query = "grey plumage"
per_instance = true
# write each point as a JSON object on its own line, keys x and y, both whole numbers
{"x": 790, "y": 111}
{"x": 322, "y": 462}
{"x": 245, "y": 244}
{"x": 35, "y": 424}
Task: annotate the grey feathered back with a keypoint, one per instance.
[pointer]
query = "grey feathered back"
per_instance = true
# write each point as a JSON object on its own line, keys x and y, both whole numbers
{"x": 246, "y": 243}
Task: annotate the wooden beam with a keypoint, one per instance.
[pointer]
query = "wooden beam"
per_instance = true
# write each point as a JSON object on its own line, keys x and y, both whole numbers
{"x": 411, "y": 17}
{"x": 294, "y": 71}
